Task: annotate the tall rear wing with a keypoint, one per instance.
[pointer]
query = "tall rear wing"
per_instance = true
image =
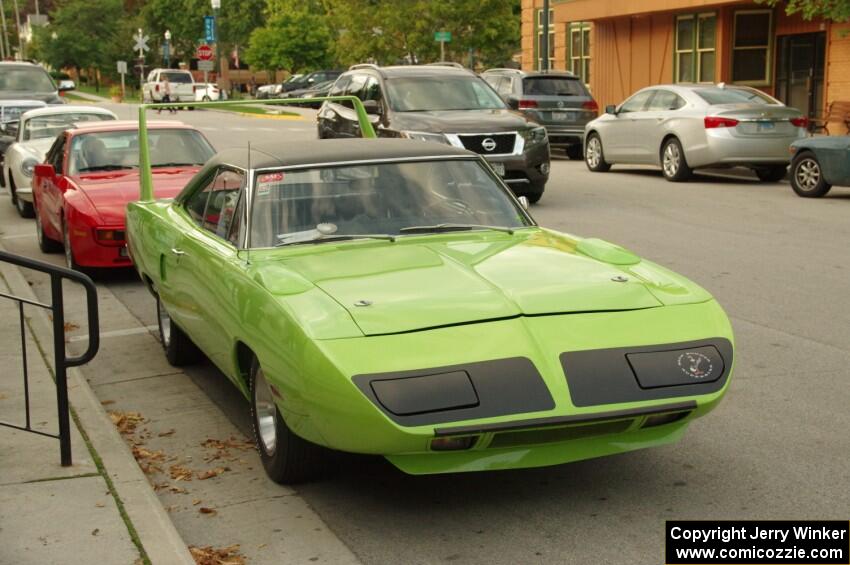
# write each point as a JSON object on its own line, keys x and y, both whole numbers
{"x": 145, "y": 175}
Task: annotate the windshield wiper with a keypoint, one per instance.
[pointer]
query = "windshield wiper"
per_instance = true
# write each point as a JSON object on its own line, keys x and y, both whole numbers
{"x": 176, "y": 165}
{"x": 329, "y": 238}
{"x": 105, "y": 168}
{"x": 453, "y": 227}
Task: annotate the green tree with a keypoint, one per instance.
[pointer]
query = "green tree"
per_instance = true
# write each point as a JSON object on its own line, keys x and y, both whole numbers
{"x": 835, "y": 10}
{"x": 295, "y": 37}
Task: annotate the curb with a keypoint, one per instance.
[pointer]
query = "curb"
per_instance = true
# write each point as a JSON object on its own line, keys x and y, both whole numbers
{"x": 155, "y": 530}
{"x": 256, "y": 116}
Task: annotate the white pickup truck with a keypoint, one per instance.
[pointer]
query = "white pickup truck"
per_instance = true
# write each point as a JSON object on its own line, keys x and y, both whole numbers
{"x": 181, "y": 82}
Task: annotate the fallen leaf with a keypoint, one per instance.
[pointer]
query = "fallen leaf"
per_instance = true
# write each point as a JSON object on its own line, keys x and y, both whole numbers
{"x": 180, "y": 473}
{"x": 205, "y": 510}
{"x": 232, "y": 442}
{"x": 2, "y": 396}
{"x": 126, "y": 422}
{"x": 204, "y": 475}
{"x": 196, "y": 502}
{"x": 100, "y": 504}
{"x": 71, "y": 326}
{"x": 107, "y": 402}
{"x": 211, "y": 556}
{"x": 178, "y": 490}
{"x": 168, "y": 433}
{"x": 95, "y": 531}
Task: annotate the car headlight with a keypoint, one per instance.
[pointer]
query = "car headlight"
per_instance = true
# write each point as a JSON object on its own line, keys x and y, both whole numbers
{"x": 534, "y": 136}
{"x": 422, "y": 136}
{"x": 28, "y": 166}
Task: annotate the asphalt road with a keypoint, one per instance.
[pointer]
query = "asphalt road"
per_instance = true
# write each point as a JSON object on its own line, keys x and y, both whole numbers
{"x": 776, "y": 448}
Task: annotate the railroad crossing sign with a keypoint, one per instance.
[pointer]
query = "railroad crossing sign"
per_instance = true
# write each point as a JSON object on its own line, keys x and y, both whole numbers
{"x": 141, "y": 42}
{"x": 204, "y": 52}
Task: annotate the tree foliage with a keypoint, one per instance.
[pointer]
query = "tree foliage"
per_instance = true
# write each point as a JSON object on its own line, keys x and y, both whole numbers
{"x": 835, "y": 10}
{"x": 295, "y": 37}
{"x": 388, "y": 31}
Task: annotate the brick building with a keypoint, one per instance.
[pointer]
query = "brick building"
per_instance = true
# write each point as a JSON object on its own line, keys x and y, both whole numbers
{"x": 619, "y": 46}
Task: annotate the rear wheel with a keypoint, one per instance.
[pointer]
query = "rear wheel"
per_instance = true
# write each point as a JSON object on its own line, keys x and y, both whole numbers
{"x": 179, "y": 349}
{"x": 807, "y": 177}
{"x": 46, "y": 244}
{"x": 771, "y": 174}
{"x": 286, "y": 457}
{"x": 575, "y": 152}
{"x": 594, "y": 157}
{"x": 673, "y": 163}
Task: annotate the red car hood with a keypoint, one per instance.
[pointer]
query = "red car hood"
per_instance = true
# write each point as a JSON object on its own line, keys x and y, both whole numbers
{"x": 110, "y": 191}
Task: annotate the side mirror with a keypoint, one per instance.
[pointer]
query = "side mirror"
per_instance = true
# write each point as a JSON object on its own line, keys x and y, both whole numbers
{"x": 44, "y": 170}
{"x": 66, "y": 85}
{"x": 513, "y": 103}
{"x": 611, "y": 109}
{"x": 523, "y": 201}
{"x": 372, "y": 107}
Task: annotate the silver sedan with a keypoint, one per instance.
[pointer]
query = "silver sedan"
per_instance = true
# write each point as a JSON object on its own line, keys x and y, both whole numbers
{"x": 684, "y": 127}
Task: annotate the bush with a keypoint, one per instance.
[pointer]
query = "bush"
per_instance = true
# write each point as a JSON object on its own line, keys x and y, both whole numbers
{"x": 115, "y": 91}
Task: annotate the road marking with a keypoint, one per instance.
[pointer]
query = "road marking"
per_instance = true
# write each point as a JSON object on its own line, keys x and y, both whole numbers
{"x": 116, "y": 333}
{"x": 17, "y": 236}
{"x": 209, "y": 128}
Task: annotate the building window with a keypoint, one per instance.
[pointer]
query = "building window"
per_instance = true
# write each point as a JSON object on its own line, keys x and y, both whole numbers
{"x": 751, "y": 47}
{"x": 540, "y": 38}
{"x": 695, "y": 48}
{"x": 579, "y": 53}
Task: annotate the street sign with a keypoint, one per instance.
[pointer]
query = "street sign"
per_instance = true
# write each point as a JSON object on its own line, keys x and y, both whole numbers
{"x": 216, "y": 4}
{"x": 204, "y": 52}
{"x": 442, "y": 36}
{"x": 209, "y": 29}
{"x": 141, "y": 42}
{"x": 206, "y": 66}
{"x": 122, "y": 67}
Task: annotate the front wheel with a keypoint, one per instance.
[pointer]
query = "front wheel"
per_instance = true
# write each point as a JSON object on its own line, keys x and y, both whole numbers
{"x": 594, "y": 157}
{"x": 807, "y": 177}
{"x": 673, "y": 163}
{"x": 534, "y": 193}
{"x": 286, "y": 457}
{"x": 24, "y": 208}
{"x": 70, "y": 261}
{"x": 771, "y": 174}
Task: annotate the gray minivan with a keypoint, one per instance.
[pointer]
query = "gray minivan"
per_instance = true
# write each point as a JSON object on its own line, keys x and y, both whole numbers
{"x": 558, "y": 100}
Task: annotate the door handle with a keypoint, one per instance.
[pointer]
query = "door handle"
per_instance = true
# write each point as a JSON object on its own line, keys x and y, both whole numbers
{"x": 178, "y": 252}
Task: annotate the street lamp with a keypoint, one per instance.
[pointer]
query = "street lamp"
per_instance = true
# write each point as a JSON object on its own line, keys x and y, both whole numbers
{"x": 166, "y": 50}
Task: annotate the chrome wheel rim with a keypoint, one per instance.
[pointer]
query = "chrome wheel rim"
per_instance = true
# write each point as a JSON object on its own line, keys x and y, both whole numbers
{"x": 39, "y": 232}
{"x": 594, "y": 152}
{"x": 164, "y": 324}
{"x": 808, "y": 174}
{"x": 266, "y": 413}
{"x": 671, "y": 159}
{"x": 66, "y": 241}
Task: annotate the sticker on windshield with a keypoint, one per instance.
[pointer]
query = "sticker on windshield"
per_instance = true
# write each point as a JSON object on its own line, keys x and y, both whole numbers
{"x": 268, "y": 181}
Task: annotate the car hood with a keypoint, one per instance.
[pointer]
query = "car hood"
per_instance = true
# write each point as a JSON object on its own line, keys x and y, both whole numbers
{"x": 46, "y": 97}
{"x": 461, "y": 121}
{"x": 435, "y": 281}
{"x": 110, "y": 191}
{"x": 37, "y": 147}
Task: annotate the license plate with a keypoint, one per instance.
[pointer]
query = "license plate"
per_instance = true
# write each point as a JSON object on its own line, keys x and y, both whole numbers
{"x": 123, "y": 252}
{"x": 765, "y": 126}
{"x": 562, "y": 116}
{"x": 499, "y": 168}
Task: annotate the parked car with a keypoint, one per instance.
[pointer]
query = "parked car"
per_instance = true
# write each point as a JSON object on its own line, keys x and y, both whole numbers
{"x": 36, "y": 132}
{"x": 448, "y": 105}
{"x": 556, "y": 99}
{"x": 90, "y": 174}
{"x": 399, "y": 301}
{"x": 319, "y": 90}
{"x": 21, "y": 80}
{"x": 207, "y": 92}
{"x": 309, "y": 79}
{"x": 685, "y": 127}
{"x": 10, "y": 114}
{"x": 181, "y": 82}
{"x": 818, "y": 163}
{"x": 267, "y": 91}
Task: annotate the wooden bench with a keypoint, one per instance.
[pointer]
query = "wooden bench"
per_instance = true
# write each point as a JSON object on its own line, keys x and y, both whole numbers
{"x": 838, "y": 111}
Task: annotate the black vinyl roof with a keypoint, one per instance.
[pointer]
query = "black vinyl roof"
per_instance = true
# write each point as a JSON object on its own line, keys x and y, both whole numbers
{"x": 331, "y": 151}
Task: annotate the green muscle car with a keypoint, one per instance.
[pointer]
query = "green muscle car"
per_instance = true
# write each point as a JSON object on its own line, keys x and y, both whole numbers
{"x": 393, "y": 297}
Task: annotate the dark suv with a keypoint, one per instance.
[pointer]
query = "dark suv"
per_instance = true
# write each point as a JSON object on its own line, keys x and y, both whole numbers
{"x": 556, "y": 99}
{"x": 444, "y": 104}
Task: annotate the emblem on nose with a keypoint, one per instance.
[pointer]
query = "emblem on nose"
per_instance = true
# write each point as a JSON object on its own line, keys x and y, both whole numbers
{"x": 488, "y": 144}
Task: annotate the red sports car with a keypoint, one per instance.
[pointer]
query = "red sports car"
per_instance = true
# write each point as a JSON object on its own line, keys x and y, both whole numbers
{"x": 90, "y": 174}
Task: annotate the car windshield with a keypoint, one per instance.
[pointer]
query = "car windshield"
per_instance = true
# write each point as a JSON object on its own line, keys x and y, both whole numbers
{"x": 178, "y": 78}
{"x": 378, "y": 200}
{"x": 717, "y": 95}
{"x": 553, "y": 86}
{"x": 115, "y": 150}
{"x": 51, "y": 126}
{"x": 25, "y": 79}
{"x": 441, "y": 93}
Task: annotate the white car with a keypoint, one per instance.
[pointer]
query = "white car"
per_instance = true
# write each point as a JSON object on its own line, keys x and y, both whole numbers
{"x": 682, "y": 127}
{"x": 207, "y": 92}
{"x": 36, "y": 131}
{"x": 182, "y": 86}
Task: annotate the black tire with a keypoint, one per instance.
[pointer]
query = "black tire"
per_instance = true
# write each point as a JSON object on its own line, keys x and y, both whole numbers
{"x": 774, "y": 173}
{"x": 807, "y": 177}
{"x": 46, "y": 244}
{"x": 594, "y": 156}
{"x": 674, "y": 165}
{"x": 575, "y": 152}
{"x": 179, "y": 349}
{"x": 286, "y": 457}
{"x": 24, "y": 208}
{"x": 534, "y": 193}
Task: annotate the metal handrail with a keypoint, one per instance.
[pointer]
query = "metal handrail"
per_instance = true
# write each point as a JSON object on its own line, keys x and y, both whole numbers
{"x": 61, "y": 361}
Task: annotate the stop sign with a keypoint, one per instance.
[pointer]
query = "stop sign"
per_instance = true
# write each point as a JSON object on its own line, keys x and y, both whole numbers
{"x": 204, "y": 53}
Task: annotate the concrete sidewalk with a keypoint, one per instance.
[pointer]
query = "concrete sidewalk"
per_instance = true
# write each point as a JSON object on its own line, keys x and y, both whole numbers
{"x": 101, "y": 509}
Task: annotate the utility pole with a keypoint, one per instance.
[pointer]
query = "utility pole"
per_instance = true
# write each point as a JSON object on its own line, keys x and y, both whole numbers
{"x": 216, "y": 5}
{"x": 4, "y": 39}
{"x": 544, "y": 23}
{"x": 21, "y": 50}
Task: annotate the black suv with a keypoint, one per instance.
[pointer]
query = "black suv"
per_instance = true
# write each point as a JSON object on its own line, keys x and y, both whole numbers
{"x": 556, "y": 99}
{"x": 444, "y": 104}
{"x": 309, "y": 80}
